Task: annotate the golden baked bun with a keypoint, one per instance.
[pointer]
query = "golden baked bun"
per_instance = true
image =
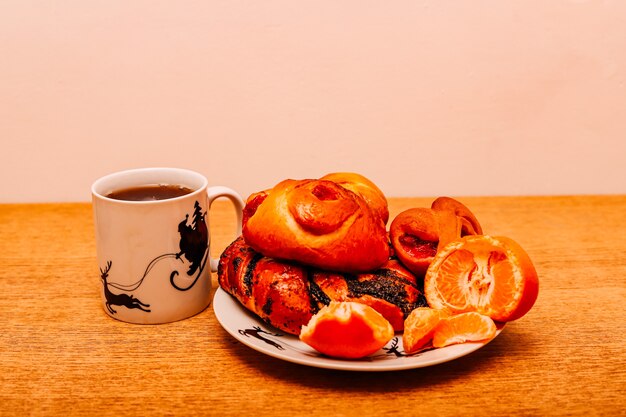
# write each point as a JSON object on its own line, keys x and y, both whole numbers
{"x": 318, "y": 223}
{"x": 357, "y": 183}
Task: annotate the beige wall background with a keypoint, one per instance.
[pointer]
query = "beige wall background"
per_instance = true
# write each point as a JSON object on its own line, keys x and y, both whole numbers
{"x": 431, "y": 97}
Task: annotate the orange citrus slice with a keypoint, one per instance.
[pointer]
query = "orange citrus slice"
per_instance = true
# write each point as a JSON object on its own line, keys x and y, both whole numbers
{"x": 347, "y": 330}
{"x": 464, "y": 327}
{"x": 419, "y": 328}
{"x": 489, "y": 275}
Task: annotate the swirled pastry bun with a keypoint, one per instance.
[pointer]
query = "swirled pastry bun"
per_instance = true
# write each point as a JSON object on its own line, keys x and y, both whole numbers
{"x": 317, "y": 223}
{"x": 362, "y": 186}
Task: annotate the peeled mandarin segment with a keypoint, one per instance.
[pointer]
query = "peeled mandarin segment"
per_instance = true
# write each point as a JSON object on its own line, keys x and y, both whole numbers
{"x": 489, "y": 275}
{"x": 419, "y": 328}
{"x": 356, "y": 332}
{"x": 347, "y": 330}
{"x": 454, "y": 272}
{"x": 464, "y": 327}
{"x": 504, "y": 289}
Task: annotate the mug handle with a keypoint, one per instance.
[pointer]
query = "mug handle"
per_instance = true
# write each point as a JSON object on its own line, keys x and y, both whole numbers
{"x": 216, "y": 192}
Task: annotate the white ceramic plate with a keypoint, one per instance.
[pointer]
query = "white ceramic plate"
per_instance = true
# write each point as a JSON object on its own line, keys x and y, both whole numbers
{"x": 251, "y": 331}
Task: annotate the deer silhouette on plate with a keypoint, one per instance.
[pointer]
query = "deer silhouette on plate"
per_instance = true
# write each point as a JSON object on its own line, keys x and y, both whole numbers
{"x": 125, "y": 300}
{"x": 256, "y": 331}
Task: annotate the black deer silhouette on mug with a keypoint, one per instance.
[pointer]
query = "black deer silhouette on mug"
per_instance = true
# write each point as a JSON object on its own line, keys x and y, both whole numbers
{"x": 125, "y": 300}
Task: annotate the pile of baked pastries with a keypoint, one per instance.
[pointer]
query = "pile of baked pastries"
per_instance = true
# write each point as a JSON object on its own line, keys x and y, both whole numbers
{"x": 308, "y": 242}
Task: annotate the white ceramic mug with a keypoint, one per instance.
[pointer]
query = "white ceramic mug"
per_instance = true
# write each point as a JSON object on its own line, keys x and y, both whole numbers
{"x": 154, "y": 259}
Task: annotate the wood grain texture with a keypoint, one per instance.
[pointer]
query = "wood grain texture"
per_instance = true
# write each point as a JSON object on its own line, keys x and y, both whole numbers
{"x": 61, "y": 354}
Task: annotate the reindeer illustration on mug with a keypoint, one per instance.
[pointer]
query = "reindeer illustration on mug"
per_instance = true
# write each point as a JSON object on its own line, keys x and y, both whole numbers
{"x": 193, "y": 248}
{"x": 122, "y": 299}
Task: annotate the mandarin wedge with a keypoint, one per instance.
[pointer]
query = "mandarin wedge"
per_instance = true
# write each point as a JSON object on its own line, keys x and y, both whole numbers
{"x": 347, "y": 330}
{"x": 464, "y": 327}
{"x": 489, "y": 275}
{"x": 419, "y": 328}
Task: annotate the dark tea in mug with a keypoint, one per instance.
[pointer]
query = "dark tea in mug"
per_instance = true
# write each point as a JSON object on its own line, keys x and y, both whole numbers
{"x": 150, "y": 192}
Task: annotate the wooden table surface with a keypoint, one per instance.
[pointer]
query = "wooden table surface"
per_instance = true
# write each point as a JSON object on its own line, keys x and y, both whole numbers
{"x": 61, "y": 354}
